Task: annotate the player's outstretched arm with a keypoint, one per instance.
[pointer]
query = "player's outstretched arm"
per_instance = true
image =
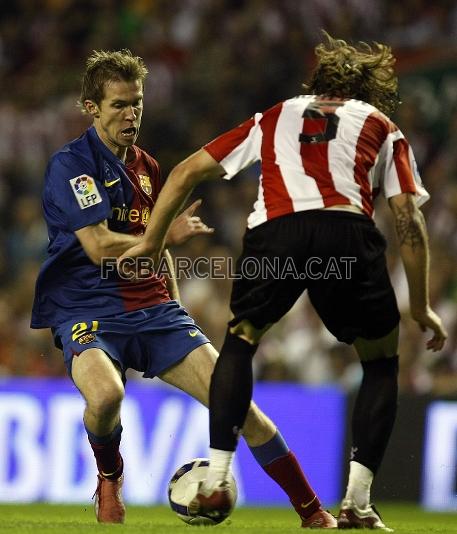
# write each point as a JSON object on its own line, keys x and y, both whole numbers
{"x": 414, "y": 251}
{"x": 197, "y": 168}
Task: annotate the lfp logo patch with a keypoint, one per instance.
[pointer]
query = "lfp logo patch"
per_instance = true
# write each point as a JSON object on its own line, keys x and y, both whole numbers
{"x": 85, "y": 191}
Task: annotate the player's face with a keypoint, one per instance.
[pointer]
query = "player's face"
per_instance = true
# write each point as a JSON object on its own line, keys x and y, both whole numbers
{"x": 118, "y": 123}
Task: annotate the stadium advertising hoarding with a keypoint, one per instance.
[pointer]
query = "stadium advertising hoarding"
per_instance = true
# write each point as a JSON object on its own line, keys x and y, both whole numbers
{"x": 44, "y": 454}
{"x": 439, "y": 480}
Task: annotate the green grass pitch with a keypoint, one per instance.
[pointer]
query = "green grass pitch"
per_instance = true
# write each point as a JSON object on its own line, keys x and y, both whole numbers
{"x": 58, "y": 519}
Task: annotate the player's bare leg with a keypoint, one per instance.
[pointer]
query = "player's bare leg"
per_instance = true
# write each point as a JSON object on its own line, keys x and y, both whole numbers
{"x": 372, "y": 423}
{"x": 193, "y": 375}
{"x": 100, "y": 383}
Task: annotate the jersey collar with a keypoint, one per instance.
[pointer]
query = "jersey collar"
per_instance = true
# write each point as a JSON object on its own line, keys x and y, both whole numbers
{"x": 100, "y": 145}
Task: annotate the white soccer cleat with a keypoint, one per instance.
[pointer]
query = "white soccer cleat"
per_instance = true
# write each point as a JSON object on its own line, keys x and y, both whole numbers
{"x": 351, "y": 516}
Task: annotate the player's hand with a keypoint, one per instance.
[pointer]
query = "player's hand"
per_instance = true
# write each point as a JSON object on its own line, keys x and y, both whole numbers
{"x": 186, "y": 226}
{"x": 429, "y": 319}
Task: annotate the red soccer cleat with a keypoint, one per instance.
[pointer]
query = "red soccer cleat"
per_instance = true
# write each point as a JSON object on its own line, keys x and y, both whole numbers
{"x": 217, "y": 506}
{"x": 109, "y": 507}
{"x": 351, "y": 516}
{"x": 320, "y": 519}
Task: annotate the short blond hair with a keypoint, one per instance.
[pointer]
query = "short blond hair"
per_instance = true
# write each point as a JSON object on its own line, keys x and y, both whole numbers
{"x": 364, "y": 72}
{"x": 106, "y": 66}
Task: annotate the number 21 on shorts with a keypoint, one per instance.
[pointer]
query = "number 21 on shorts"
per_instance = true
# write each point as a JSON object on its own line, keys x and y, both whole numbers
{"x": 78, "y": 329}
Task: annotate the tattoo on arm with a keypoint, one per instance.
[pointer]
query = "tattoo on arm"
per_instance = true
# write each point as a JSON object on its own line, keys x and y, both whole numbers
{"x": 410, "y": 226}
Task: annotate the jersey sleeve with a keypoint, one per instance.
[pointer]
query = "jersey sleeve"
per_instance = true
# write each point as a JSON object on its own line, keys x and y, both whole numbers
{"x": 397, "y": 169}
{"x": 74, "y": 193}
{"x": 238, "y": 148}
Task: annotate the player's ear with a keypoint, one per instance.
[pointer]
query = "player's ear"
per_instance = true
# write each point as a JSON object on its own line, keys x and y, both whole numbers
{"x": 92, "y": 108}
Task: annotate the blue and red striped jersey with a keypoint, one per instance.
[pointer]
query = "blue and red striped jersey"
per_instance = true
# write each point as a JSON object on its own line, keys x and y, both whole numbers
{"x": 85, "y": 184}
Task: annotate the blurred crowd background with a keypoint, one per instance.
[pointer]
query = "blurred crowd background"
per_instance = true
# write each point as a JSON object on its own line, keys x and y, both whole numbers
{"x": 213, "y": 63}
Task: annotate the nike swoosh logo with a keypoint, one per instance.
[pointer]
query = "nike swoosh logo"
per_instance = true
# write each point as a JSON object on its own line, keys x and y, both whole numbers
{"x": 303, "y": 505}
{"x": 106, "y": 474}
{"x": 109, "y": 184}
{"x": 193, "y": 333}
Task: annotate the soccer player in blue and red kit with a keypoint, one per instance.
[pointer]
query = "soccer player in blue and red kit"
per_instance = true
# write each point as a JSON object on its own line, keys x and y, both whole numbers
{"x": 98, "y": 194}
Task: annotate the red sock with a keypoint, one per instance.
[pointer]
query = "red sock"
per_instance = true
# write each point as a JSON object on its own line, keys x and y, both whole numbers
{"x": 108, "y": 458}
{"x": 286, "y": 472}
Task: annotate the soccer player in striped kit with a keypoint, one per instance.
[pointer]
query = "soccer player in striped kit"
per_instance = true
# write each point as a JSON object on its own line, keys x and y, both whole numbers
{"x": 98, "y": 195}
{"x": 324, "y": 157}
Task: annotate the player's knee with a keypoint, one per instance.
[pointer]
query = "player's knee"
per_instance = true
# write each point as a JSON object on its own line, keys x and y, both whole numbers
{"x": 381, "y": 369}
{"x": 375, "y": 349}
{"x": 107, "y": 401}
{"x": 247, "y": 331}
{"x": 258, "y": 428}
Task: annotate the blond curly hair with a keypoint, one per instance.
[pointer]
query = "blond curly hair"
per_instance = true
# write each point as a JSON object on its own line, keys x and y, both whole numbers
{"x": 364, "y": 72}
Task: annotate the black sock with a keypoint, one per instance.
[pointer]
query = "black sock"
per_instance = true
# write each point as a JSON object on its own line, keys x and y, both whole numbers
{"x": 375, "y": 411}
{"x": 230, "y": 392}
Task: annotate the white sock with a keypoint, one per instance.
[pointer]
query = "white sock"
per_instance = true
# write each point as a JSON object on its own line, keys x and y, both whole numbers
{"x": 220, "y": 463}
{"x": 359, "y": 484}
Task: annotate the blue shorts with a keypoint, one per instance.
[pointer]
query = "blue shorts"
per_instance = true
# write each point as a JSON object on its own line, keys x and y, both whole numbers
{"x": 149, "y": 340}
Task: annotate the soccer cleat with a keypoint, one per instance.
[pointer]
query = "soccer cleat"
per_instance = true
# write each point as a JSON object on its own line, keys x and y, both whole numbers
{"x": 217, "y": 506}
{"x": 320, "y": 519}
{"x": 351, "y": 516}
{"x": 109, "y": 507}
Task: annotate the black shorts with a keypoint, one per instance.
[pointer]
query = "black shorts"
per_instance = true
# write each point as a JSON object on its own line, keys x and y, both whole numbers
{"x": 338, "y": 256}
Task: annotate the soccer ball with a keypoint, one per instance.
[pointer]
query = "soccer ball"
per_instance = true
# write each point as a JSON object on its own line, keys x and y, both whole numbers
{"x": 183, "y": 486}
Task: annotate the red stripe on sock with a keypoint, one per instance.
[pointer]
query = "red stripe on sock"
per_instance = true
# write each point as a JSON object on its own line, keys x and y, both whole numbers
{"x": 108, "y": 458}
{"x": 286, "y": 472}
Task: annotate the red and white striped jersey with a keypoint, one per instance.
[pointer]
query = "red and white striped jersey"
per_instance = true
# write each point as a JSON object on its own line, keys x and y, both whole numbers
{"x": 317, "y": 152}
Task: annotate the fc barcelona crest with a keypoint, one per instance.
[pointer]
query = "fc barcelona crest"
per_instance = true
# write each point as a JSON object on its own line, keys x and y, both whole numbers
{"x": 145, "y": 183}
